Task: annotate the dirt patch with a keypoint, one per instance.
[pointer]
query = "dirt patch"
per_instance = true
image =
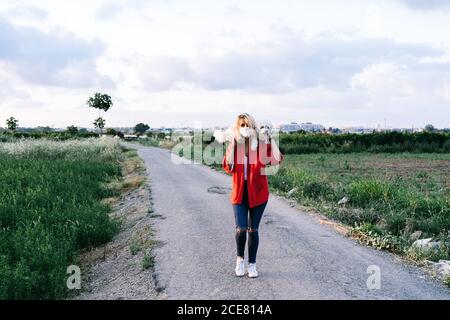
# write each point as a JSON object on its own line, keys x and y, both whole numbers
{"x": 339, "y": 227}
{"x": 123, "y": 269}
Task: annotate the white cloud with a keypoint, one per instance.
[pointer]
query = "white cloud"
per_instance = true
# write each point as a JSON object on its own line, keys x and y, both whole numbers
{"x": 55, "y": 58}
{"x": 27, "y": 12}
{"x": 281, "y": 66}
{"x": 426, "y": 5}
{"x": 445, "y": 90}
{"x": 109, "y": 11}
{"x": 384, "y": 79}
{"x": 234, "y": 10}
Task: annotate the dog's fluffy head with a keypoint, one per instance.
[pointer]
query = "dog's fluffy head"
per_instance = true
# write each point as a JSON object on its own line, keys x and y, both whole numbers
{"x": 265, "y": 130}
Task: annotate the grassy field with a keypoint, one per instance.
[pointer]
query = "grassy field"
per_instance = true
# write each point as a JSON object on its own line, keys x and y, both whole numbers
{"x": 391, "y": 196}
{"x": 50, "y": 209}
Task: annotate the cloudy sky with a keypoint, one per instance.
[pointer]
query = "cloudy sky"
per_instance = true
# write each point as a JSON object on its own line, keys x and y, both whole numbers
{"x": 180, "y": 63}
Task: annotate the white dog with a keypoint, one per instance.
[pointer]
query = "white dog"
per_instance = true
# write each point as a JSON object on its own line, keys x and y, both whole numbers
{"x": 265, "y": 131}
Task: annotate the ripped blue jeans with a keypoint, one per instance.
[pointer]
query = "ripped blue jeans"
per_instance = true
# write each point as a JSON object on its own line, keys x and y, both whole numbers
{"x": 247, "y": 219}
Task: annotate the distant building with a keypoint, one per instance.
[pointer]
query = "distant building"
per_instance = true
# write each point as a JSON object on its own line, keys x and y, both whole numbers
{"x": 332, "y": 130}
{"x": 291, "y": 127}
{"x": 400, "y": 130}
{"x": 311, "y": 127}
{"x": 307, "y": 126}
{"x": 356, "y": 130}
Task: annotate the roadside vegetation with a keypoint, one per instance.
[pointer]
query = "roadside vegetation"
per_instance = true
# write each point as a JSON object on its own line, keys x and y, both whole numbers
{"x": 390, "y": 200}
{"x": 51, "y": 207}
{"x": 12, "y": 136}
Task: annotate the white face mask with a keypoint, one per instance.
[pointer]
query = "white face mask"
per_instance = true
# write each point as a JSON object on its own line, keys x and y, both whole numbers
{"x": 245, "y": 132}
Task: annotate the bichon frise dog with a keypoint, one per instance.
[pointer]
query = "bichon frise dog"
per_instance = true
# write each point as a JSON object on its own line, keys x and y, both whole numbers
{"x": 265, "y": 131}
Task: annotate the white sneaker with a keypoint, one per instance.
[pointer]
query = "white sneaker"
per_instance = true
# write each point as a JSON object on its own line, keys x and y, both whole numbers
{"x": 240, "y": 267}
{"x": 252, "y": 273}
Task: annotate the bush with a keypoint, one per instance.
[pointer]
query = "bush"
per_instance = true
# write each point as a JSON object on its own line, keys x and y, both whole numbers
{"x": 315, "y": 189}
{"x": 111, "y": 132}
{"x": 367, "y": 192}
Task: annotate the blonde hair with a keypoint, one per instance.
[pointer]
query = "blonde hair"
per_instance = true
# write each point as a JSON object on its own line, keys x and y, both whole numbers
{"x": 251, "y": 124}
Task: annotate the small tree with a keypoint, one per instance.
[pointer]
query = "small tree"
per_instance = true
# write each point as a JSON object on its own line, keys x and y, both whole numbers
{"x": 103, "y": 103}
{"x": 141, "y": 128}
{"x": 100, "y": 124}
{"x": 111, "y": 132}
{"x": 120, "y": 134}
{"x": 12, "y": 124}
{"x": 429, "y": 128}
{"x": 72, "y": 130}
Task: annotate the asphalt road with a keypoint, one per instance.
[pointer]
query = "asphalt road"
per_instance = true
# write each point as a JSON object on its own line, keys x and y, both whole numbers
{"x": 298, "y": 257}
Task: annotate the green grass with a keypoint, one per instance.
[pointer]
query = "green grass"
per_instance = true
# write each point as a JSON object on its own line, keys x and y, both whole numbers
{"x": 148, "y": 261}
{"x": 391, "y": 195}
{"x": 135, "y": 247}
{"x": 50, "y": 209}
{"x": 447, "y": 281}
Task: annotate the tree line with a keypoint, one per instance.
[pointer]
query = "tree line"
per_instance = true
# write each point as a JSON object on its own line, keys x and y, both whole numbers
{"x": 390, "y": 142}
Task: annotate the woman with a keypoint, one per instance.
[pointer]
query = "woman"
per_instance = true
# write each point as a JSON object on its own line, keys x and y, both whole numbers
{"x": 250, "y": 191}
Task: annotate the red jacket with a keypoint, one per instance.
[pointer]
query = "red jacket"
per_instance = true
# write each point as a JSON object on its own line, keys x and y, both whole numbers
{"x": 257, "y": 183}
